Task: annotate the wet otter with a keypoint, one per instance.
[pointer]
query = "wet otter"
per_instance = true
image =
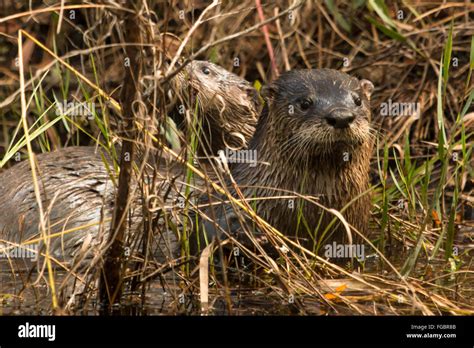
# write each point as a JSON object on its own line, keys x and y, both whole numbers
{"x": 78, "y": 194}
{"x": 77, "y": 190}
{"x": 320, "y": 119}
{"x": 313, "y": 138}
{"x": 230, "y": 105}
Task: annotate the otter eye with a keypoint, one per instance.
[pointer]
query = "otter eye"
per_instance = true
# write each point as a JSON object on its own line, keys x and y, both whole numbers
{"x": 206, "y": 70}
{"x": 357, "y": 100}
{"x": 305, "y": 104}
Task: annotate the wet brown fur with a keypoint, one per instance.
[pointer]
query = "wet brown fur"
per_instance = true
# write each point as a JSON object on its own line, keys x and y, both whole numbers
{"x": 228, "y": 103}
{"x": 75, "y": 186}
{"x": 303, "y": 154}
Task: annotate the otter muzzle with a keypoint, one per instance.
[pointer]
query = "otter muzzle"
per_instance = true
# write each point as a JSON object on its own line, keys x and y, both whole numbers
{"x": 340, "y": 118}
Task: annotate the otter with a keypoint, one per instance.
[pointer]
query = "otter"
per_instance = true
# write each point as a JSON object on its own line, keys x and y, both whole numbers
{"x": 78, "y": 196}
{"x": 76, "y": 186}
{"x": 314, "y": 138}
{"x": 76, "y": 191}
{"x": 229, "y": 105}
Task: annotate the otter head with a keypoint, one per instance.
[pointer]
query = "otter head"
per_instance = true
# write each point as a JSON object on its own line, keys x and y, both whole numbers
{"x": 228, "y": 103}
{"x": 205, "y": 76}
{"x": 318, "y": 111}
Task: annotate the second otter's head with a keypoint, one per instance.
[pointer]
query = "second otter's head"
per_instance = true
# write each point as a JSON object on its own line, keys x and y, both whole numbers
{"x": 318, "y": 111}
{"x": 228, "y": 104}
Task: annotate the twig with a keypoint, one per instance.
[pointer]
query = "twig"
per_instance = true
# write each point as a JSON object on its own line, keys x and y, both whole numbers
{"x": 190, "y": 32}
{"x": 112, "y": 275}
{"x": 267, "y": 39}
{"x": 228, "y": 38}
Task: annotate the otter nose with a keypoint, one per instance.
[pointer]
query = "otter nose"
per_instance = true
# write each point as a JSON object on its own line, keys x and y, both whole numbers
{"x": 340, "y": 118}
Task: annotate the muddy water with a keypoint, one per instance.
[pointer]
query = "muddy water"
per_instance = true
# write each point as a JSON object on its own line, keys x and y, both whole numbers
{"x": 36, "y": 299}
{"x": 164, "y": 296}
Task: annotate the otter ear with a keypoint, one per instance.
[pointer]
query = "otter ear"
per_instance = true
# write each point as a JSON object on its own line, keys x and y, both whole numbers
{"x": 367, "y": 88}
{"x": 268, "y": 92}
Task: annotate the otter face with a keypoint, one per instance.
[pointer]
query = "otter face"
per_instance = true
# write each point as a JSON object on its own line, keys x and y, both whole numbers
{"x": 320, "y": 106}
{"x": 228, "y": 104}
{"x": 205, "y": 73}
{"x": 206, "y": 76}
